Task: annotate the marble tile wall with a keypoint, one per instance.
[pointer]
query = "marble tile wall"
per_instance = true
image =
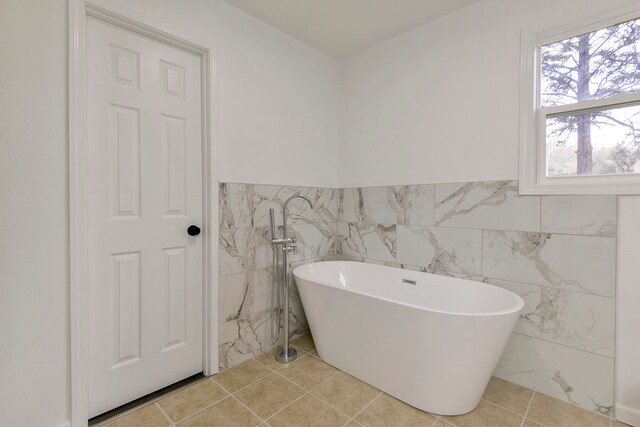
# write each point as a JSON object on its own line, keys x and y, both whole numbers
{"x": 557, "y": 252}
{"x": 245, "y": 259}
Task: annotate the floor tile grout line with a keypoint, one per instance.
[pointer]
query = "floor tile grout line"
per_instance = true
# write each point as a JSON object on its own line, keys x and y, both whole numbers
{"x": 257, "y": 361}
{"x": 366, "y": 406}
{"x": 326, "y": 379}
{"x": 288, "y": 380}
{"x": 502, "y": 407}
{"x": 157, "y": 405}
{"x": 281, "y": 376}
{"x": 304, "y": 391}
{"x": 334, "y": 408}
{"x": 262, "y": 420}
{"x": 210, "y": 404}
{"x": 445, "y": 422}
{"x": 247, "y": 385}
{"x": 282, "y": 409}
{"x": 313, "y": 388}
{"x": 203, "y": 409}
{"x": 349, "y": 418}
{"x": 526, "y": 412}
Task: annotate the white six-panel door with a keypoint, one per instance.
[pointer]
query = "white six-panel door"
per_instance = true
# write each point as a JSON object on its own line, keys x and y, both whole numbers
{"x": 144, "y": 157}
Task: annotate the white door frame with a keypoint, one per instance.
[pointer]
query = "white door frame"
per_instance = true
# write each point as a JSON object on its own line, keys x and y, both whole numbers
{"x": 78, "y": 284}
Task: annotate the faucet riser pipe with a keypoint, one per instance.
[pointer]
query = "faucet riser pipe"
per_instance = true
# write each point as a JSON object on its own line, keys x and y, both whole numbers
{"x": 276, "y": 314}
{"x": 286, "y": 354}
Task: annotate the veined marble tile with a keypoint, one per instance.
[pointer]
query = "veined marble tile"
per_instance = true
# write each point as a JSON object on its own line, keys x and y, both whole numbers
{"x": 325, "y": 204}
{"x": 373, "y": 241}
{"x": 235, "y": 296}
{"x": 530, "y": 321}
{"x": 340, "y": 207}
{"x": 260, "y": 322}
{"x": 398, "y": 204}
{"x": 486, "y": 205}
{"x": 295, "y": 264}
{"x": 244, "y": 339}
{"x": 350, "y": 209}
{"x": 415, "y": 204}
{"x": 262, "y": 286}
{"x": 297, "y": 319}
{"x": 270, "y": 196}
{"x": 263, "y": 251}
{"x": 590, "y": 215}
{"x": 341, "y": 257}
{"x": 245, "y": 316}
{"x": 575, "y": 376}
{"x": 448, "y": 249}
{"x": 236, "y": 250}
{"x": 579, "y": 263}
{"x": 378, "y": 206}
{"x": 236, "y": 205}
{"x": 238, "y": 343}
{"x": 579, "y": 320}
{"x": 313, "y": 240}
{"x": 245, "y": 294}
{"x": 244, "y": 249}
{"x": 572, "y": 375}
{"x": 466, "y": 276}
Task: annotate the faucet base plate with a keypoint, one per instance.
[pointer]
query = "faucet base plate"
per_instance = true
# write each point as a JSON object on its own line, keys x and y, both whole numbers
{"x": 286, "y": 357}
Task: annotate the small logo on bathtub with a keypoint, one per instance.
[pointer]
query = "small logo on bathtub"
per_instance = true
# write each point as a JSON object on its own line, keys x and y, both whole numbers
{"x": 409, "y": 282}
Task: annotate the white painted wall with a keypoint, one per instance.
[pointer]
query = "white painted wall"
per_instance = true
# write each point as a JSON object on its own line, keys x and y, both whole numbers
{"x": 34, "y": 338}
{"x": 440, "y": 103}
{"x": 627, "y": 313}
{"x": 277, "y": 97}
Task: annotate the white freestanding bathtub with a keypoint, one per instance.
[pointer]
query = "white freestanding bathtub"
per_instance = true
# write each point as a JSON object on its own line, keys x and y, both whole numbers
{"x": 432, "y": 344}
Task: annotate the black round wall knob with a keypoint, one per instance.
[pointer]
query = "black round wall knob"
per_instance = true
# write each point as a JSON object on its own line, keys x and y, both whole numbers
{"x": 193, "y": 230}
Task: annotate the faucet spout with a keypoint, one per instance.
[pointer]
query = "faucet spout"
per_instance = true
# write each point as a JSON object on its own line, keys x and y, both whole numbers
{"x": 285, "y": 213}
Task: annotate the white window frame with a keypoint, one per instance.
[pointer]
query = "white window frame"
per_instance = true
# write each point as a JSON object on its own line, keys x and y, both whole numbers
{"x": 533, "y": 117}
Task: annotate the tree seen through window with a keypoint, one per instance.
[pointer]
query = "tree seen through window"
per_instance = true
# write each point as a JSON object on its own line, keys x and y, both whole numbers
{"x": 595, "y": 65}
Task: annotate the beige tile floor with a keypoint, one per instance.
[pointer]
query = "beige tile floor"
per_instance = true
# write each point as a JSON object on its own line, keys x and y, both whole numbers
{"x": 309, "y": 392}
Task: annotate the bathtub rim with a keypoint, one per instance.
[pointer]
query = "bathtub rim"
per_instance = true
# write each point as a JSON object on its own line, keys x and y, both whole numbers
{"x": 517, "y": 308}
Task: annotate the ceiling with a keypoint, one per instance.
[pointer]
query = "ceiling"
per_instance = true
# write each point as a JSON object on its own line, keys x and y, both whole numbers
{"x": 340, "y": 28}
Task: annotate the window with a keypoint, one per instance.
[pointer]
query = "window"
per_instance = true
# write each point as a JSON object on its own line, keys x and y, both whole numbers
{"x": 580, "y": 118}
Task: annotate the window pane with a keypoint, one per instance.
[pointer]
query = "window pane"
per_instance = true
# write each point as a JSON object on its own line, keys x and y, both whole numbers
{"x": 591, "y": 66}
{"x": 595, "y": 143}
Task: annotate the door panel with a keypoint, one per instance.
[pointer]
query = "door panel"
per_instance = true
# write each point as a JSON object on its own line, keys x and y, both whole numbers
{"x": 144, "y": 156}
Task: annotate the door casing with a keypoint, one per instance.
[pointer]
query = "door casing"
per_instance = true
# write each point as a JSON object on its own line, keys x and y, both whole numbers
{"x": 120, "y": 16}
